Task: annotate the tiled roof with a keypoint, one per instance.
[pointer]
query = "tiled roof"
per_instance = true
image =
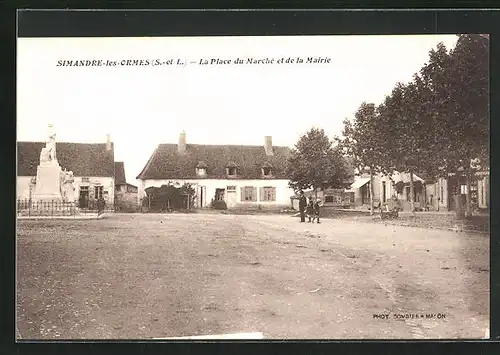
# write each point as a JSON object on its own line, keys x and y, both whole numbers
{"x": 83, "y": 159}
{"x": 120, "y": 173}
{"x": 166, "y": 163}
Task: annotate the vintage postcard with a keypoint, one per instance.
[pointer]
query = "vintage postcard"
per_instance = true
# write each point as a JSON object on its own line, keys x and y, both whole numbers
{"x": 277, "y": 187}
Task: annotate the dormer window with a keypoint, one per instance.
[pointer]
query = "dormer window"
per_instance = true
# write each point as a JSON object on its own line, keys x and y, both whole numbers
{"x": 267, "y": 170}
{"x": 201, "y": 172}
{"x": 231, "y": 169}
{"x": 201, "y": 169}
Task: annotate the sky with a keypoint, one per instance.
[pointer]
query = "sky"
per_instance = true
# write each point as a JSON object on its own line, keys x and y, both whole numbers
{"x": 143, "y": 106}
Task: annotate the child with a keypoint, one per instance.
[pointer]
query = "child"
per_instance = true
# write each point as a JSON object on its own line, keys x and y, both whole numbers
{"x": 316, "y": 210}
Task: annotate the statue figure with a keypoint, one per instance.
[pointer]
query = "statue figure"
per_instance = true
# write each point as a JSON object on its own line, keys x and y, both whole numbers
{"x": 51, "y": 147}
{"x": 69, "y": 188}
{"x": 66, "y": 186}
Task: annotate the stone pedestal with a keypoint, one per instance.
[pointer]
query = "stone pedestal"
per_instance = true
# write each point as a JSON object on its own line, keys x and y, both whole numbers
{"x": 48, "y": 182}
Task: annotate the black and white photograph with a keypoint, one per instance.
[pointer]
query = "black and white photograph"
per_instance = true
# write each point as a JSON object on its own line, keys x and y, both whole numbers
{"x": 253, "y": 187}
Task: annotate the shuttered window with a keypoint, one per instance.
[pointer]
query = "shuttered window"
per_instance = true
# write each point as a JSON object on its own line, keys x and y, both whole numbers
{"x": 268, "y": 193}
{"x": 98, "y": 192}
{"x": 248, "y": 193}
{"x": 328, "y": 199}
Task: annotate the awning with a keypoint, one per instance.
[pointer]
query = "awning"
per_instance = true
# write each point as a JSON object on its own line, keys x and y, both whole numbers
{"x": 405, "y": 178}
{"x": 359, "y": 182}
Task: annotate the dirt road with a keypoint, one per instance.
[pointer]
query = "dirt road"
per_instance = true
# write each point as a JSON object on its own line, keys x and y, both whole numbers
{"x": 153, "y": 276}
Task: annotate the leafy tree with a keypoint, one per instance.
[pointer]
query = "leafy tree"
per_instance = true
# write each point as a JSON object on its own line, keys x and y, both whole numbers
{"x": 437, "y": 124}
{"x": 458, "y": 83}
{"x": 404, "y": 124}
{"x": 316, "y": 163}
{"x": 361, "y": 142}
{"x": 170, "y": 197}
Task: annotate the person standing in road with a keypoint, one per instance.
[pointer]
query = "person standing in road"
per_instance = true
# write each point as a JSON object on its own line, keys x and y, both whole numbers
{"x": 310, "y": 209}
{"x": 302, "y": 206}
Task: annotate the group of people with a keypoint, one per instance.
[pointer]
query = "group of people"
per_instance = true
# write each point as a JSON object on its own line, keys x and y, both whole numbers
{"x": 311, "y": 208}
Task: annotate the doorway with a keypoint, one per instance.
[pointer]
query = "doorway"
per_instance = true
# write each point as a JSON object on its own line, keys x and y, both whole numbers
{"x": 219, "y": 194}
{"x": 84, "y": 197}
{"x": 201, "y": 197}
{"x": 231, "y": 196}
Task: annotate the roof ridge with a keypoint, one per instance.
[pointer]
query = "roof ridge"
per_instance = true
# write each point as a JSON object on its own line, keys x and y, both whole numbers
{"x": 87, "y": 143}
{"x": 165, "y": 162}
{"x": 225, "y": 145}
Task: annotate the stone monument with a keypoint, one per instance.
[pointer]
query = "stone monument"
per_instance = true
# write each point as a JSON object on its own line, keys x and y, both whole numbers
{"x": 52, "y": 184}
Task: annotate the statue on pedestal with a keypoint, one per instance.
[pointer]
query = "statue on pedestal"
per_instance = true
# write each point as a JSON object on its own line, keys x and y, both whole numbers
{"x": 48, "y": 176}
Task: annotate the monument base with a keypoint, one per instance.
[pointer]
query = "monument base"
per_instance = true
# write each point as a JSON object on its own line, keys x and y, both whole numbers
{"x": 48, "y": 182}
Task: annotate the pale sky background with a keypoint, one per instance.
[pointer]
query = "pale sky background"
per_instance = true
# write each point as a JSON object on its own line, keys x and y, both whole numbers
{"x": 144, "y": 106}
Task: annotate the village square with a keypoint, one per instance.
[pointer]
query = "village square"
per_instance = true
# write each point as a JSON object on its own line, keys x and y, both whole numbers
{"x": 379, "y": 232}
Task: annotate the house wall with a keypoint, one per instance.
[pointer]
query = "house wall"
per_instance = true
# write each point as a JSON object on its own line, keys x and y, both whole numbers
{"x": 209, "y": 186}
{"x": 377, "y": 190}
{"x": 125, "y": 201}
{"x": 24, "y": 183}
{"x": 437, "y": 195}
{"x": 390, "y": 190}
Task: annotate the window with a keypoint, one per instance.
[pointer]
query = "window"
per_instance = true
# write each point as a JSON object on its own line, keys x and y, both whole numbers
{"x": 266, "y": 171}
{"x": 231, "y": 171}
{"x": 85, "y": 179}
{"x": 268, "y": 193}
{"x": 98, "y": 192}
{"x": 201, "y": 171}
{"x": 442, "y": 193}
{"x": 231, "y": 188}
{"x": 329, "y": 199}
{"x": 249, "y": 193}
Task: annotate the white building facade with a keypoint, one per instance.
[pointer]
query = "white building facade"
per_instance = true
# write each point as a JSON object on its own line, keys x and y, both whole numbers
{"x": 239, "y": 175}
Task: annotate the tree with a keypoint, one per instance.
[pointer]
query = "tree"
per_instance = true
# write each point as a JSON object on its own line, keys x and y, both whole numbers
{"x": 361, "y": 141}
{"x": 458, "y": 82}
{"x": 170, "y": 197}
{"x": 316, "y": 163}
{"x": 400, "y": 114}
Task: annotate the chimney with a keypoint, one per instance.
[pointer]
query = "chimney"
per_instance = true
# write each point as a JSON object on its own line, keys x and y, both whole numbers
{"x": 268, "y": 145}
{"x": 181, "y": 147}
{"x": 108, "y": 142}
